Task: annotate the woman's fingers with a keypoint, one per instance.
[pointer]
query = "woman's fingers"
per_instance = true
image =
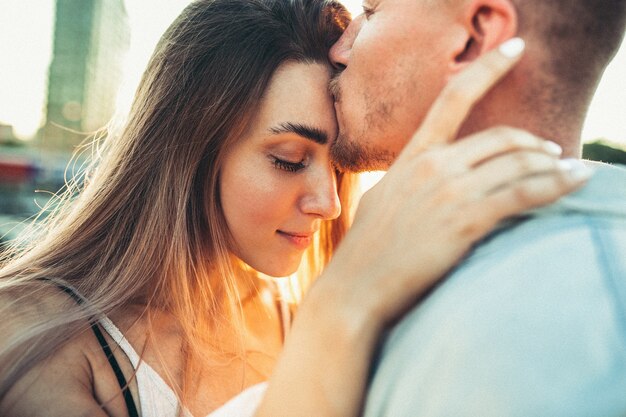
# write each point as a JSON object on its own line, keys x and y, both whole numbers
{"x": 451, "y": 108}
{"x": 496, "y": 141}
{"x": 506, "y": 146}
{"x": 529, "y": 182}
{"x": 509, "y": 168}
{"x": 538, "y": 190}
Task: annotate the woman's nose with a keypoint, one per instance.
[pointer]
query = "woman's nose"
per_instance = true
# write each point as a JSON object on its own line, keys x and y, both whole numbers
{"x": 321, "y": 198}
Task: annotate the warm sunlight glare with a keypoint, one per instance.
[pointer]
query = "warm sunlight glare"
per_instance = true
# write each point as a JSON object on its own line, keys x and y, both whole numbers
{"x": 26, "y": 30}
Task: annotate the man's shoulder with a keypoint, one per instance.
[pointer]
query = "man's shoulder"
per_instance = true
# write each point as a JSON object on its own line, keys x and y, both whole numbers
{"x": 533, "y": 322}
{"x": 545, "y": 269}
{"x": 551, "y": 243}
{"x": 578, "y": 231}
{"x": 568, "y": 257}
{"x": 571, "y": 247}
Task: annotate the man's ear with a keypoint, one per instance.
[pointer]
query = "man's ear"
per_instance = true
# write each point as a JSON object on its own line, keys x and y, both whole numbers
{"x": 487, "y": 24}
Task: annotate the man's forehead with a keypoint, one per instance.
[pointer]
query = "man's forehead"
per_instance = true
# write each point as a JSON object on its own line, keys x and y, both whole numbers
{"x": 427, "y": 5}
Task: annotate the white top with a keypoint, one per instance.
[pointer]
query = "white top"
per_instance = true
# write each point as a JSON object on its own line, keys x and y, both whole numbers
{"x": 157, "y": 399}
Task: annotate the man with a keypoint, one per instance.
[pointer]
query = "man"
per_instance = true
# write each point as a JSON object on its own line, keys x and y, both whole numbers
{"x": 533, "y": 322}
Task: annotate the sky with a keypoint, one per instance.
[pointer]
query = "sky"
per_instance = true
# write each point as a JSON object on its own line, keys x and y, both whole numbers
{"x": 26, "y": 28}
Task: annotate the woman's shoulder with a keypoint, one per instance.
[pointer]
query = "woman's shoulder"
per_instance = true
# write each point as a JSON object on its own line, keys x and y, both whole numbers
{"x": 73, "y": 379}
{"x": 61, "y": 385}
{"x": 24, "y": 307}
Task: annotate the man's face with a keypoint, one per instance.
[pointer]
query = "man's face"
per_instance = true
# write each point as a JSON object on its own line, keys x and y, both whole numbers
{"x": 396, "y": 62}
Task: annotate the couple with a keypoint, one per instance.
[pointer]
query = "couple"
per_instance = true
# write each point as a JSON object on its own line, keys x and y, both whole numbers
{"x": 148, "y": 293}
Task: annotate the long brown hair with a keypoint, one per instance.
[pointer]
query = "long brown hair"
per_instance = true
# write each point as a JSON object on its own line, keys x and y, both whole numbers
{"x": 148, "y": 228}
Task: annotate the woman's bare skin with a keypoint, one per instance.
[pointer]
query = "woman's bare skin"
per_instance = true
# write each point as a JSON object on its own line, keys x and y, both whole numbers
{"x": 80, "y": 374}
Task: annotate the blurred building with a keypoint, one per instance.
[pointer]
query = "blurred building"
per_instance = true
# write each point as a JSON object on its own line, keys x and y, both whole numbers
{"x": 91, "y": 38}
{"x": 6, "y": 134}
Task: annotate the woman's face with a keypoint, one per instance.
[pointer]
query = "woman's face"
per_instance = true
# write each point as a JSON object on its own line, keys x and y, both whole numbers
{"x": 277, "y": 183}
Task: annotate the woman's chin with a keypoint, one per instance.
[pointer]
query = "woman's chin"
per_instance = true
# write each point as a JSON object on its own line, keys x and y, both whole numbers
{"x": 278, "y": 270}
{"x": 277, "y": 266}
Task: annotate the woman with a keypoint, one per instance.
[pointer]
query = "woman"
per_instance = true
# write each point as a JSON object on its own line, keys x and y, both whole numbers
{"x": 144, "y": 295}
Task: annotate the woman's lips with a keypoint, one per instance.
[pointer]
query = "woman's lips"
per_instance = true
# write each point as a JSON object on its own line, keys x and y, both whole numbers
{"x": 299, "y": 240}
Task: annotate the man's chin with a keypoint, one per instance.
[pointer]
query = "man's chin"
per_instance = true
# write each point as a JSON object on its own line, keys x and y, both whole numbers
{"x": 353, "y": 156}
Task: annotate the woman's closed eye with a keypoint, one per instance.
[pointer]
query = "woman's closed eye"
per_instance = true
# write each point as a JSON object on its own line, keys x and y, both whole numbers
{"x": 288, "y": 166}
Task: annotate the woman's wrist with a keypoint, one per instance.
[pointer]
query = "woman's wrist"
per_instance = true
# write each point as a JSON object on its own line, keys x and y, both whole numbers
{"x": 324, "y": 366}
{"x": 337, "y": 303}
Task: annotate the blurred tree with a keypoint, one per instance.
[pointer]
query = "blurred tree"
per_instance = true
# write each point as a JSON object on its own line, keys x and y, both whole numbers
{"x": 604, "y": 151}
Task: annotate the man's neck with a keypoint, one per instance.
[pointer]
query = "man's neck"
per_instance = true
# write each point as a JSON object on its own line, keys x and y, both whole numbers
{"x": 564, "y": 130}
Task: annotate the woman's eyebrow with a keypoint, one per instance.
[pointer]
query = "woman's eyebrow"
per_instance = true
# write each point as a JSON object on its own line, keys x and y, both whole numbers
{"x": 309, "y": 132}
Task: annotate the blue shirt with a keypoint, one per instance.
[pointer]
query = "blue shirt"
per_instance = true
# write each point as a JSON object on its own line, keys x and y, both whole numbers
{"x": 532, "y": 323}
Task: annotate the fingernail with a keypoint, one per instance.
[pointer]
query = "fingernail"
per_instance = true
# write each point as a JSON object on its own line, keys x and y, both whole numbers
{"x": 513, "y": 47}
{"x": 553, "y": 148}
{"x": 575, "y": 169}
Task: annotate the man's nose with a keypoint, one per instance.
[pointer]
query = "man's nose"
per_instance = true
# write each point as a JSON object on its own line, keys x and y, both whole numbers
{"x": 339, "y": 53}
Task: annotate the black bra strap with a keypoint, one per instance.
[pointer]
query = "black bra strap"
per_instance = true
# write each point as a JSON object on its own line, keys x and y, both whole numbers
{"x": 121, "y": 380}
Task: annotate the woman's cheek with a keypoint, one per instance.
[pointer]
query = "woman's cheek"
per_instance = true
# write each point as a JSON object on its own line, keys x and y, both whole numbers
{"x": 264, "y": 198}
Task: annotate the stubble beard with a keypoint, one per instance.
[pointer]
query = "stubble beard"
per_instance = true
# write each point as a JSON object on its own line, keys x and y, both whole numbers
{"x": 350, "y": 152}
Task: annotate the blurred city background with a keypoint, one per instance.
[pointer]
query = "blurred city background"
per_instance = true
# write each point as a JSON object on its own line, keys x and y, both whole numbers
{"x": 67, "y": 67}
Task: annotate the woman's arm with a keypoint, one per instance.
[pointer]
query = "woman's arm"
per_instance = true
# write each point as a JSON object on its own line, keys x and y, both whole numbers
{"x": 410, "y": 229}
{"x": 76, "y": 379}
{"x": 61, "y": 386}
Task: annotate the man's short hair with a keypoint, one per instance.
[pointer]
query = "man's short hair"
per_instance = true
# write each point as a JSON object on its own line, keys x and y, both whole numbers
{"x": 580, "y": 36}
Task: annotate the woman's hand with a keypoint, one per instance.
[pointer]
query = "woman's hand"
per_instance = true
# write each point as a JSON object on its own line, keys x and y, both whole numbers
{"x": 437, "y": 200}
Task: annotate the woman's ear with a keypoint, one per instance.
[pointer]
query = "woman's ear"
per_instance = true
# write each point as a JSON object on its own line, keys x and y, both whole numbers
{"x": 487, "y": 24}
